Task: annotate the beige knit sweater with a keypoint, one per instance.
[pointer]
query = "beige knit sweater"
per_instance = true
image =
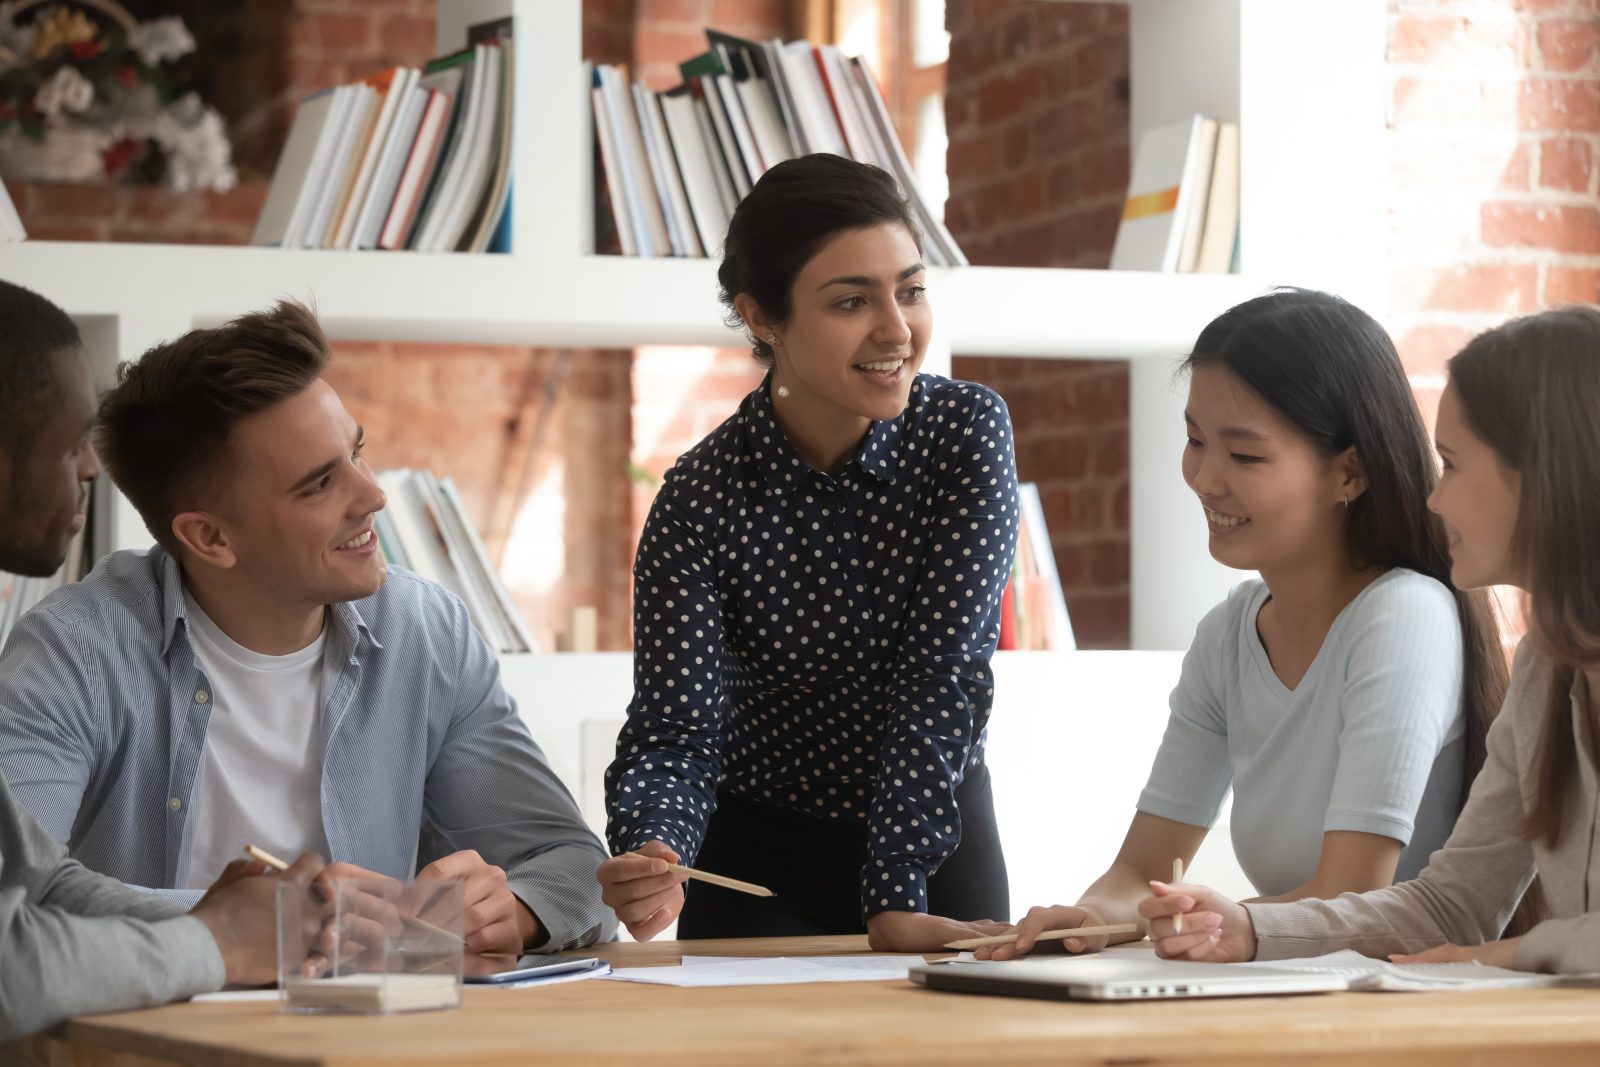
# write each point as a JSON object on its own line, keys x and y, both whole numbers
{"x": 1472, "y": 885}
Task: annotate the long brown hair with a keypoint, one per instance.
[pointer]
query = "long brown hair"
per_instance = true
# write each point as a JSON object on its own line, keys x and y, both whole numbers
{"x": 1530, "y": 390}
{"x": 1332, "y": 371}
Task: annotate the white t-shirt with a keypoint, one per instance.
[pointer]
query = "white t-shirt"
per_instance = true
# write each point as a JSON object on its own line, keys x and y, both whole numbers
{"x": 1372, "y": 739}
{"x": 260, "y": 782}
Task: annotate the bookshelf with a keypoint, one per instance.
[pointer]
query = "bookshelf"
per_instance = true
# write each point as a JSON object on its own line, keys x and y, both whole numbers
{"x": 1304, "y": 78}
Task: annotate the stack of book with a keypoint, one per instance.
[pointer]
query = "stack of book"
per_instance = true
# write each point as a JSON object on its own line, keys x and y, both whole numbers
{"x": 18, "y": 595}
{"x": 426, "y": 530}
{"x": 405, "y": 158}
{"x": 1033, "y": 609}
{"x": 674, "y": 165}
{"x": 10, "y": 222}
{"x": 1182, "y": 211}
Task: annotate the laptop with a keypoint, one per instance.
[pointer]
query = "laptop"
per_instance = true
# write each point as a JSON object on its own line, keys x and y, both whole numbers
{"x": 1102, "y": 978}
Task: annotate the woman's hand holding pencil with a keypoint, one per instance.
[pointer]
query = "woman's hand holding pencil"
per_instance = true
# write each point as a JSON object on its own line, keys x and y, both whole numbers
{"x": 1044, "y": 928}
{"x": 644, "y": 888}
{"x": 1191, "y": 922}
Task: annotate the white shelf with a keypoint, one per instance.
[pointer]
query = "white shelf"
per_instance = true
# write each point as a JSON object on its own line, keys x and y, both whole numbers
{"x": 598, "y": 301}
{"x": 1311, "y": 177}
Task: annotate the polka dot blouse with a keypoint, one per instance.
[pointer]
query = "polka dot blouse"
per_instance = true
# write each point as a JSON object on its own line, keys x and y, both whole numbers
{"x": 821, "y": 642}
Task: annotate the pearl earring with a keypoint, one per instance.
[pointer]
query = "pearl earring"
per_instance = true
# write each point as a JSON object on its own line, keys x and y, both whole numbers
{"x": 783, "y": 390}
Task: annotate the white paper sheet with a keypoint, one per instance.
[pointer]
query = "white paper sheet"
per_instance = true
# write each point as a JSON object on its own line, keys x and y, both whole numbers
{"x": 1370, "y": 975}
{"x": 701, "y": 971}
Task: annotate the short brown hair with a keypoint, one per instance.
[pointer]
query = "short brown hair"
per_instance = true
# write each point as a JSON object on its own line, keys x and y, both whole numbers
{"x": 164, "y": 429}
{"x": 1529, "y": 389}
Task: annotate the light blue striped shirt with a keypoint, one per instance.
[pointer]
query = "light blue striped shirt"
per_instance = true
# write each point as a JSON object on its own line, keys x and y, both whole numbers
{"x": 103, "y": 716}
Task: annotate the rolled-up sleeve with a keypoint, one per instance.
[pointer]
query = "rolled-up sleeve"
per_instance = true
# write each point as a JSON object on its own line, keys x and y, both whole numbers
{"x": 490, "y": 789}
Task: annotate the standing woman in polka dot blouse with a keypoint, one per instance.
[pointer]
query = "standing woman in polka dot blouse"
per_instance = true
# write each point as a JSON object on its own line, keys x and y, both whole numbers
{"x": 816, "y": 601}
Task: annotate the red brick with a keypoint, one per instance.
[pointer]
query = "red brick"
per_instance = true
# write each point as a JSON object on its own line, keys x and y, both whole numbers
{"x": 1425, "y": 349}
{"x": 1483, "y": 38}
{"x": 1488, "y": 288}
{"x": 667, "y": 46}
{"x": 241, "y": 204}
{"x": 1026, "y": 194}
{"x": 1513, "y": 224}
{"x": 1001, "y": 97}
{"x": 409, "y": 36}
{"x": 1111, "y": 457}
{"x": 70, "y": 202}
{"x": 652, "y": 12}
{"x": 1559, "y": 106}
{"x": 1104, "y": 171}
{"x": 1569, "y": 45}
{"x": 1565, "y": 164}
{"x": 760, "y": 19}
{"x": 1427, "y": 396}
{"x": 346, "y": 33}
{"x": 1014, "y": 142}
{"x": 1052, "y": 459}
{"x": 973, "y": 52}
{"x": 1571, "y": 285}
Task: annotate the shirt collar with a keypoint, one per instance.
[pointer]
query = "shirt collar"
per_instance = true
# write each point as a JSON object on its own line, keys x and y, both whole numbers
{"x": 780, "y": 464}
{"x": 349, "y": 629}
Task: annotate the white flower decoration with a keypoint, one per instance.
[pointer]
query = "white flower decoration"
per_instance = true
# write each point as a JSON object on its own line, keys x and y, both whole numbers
{"x": 192, "y": 137}
{"x": 161, "y": 40}
{"x": 67, "y": 90}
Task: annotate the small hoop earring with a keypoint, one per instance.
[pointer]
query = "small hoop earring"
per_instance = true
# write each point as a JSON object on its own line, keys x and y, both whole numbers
{"x": 1346, "y": 503}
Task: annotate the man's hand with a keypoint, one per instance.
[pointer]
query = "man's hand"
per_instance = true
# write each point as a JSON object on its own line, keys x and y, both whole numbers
{"x": 241, "y": 911}
{"x": 639, "y": 887}
{"x": 911, "y": 931}
{"x": 495, "y": 922}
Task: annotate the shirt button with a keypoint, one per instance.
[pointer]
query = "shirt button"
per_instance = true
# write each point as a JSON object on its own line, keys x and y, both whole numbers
{"x": 201, "y": 696}
{"x": 174, "y": 804}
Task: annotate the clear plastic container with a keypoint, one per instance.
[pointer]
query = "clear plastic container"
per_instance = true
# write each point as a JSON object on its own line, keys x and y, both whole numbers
{"x": 373, "y": 946}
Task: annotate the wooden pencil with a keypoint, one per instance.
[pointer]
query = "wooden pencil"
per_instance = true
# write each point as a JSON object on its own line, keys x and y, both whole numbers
{"x": 726, "y": 883}
{"x": 1048, "y": 935}
{"x": 1177, "y": 879}
{"x": 278, "y": 865}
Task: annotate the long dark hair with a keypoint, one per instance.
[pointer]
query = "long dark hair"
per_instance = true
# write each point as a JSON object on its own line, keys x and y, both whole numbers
{"x": 1331, "y": 370}
{"x": 1530, "y": 390}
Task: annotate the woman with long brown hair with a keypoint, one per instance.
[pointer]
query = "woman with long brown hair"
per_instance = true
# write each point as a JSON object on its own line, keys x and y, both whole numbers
{"x": 1520, "y": 442}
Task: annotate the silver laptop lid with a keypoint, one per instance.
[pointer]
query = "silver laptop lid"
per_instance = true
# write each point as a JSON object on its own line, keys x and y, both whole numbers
{"x": 1122, "y": 979}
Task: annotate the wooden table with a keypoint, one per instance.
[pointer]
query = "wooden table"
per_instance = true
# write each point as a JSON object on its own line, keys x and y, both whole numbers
{"x": 598, "y": 1022}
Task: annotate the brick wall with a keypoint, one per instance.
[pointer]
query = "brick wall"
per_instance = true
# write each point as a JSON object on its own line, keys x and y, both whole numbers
{"x": 1495, "y": 126}
{"x": 1036, "y": 103}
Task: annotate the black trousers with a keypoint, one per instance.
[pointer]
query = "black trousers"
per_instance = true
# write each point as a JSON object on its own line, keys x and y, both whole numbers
{"x": 814, "y": 867}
